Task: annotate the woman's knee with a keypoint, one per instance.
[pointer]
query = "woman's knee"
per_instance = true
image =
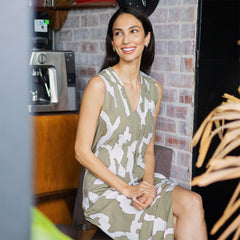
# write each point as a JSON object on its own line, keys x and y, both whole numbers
{"x": 197, "y": 202}
{"x": 194, "y": 205}
{"x": 187, "y": 201}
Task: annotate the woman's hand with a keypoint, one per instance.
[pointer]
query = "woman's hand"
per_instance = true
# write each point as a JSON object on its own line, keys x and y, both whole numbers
{"x": 143, "y": 194}
{"x": 143, "y": 202}
{"x": 139, "y": 189}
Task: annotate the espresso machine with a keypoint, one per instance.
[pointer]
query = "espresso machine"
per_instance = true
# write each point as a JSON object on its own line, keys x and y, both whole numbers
{"x": 53, "y": 85}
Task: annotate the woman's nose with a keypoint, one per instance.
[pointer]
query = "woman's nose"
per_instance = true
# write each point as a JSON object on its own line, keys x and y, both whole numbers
{"x": 126, "y": 38}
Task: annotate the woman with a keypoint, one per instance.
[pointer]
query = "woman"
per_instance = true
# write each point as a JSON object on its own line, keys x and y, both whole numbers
{"x": 115, "y": 142}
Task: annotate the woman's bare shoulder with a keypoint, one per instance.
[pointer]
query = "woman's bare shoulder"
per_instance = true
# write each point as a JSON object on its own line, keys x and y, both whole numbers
{"x": 93, "y": 96}
{"x": 160, "y": 87}
{"x": 96, "y": 83}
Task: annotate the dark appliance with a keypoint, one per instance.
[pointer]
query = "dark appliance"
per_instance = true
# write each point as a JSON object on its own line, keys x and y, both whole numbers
{"x": 42, "y": 34}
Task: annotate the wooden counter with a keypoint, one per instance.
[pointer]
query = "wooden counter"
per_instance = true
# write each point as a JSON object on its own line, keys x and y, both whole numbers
{"x": 56, "y": 171}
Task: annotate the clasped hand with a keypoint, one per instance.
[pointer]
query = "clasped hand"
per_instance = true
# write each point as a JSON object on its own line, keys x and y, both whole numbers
{"x": 143, "y": 195}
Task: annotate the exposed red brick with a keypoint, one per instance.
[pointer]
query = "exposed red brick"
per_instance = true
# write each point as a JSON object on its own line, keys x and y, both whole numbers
{"x": 174, "y": 141}
{"x": 173, "y": 80}
{"x": 174, "y": 14}
{"x": 185, "y": 128}
{"x": 104, "y": 18}
{"x": 72, "y": 22}
{"x": 175, "y": 48}
{"x": 91, "y": 72}
{"x": 188, "y": 31}
{"x": 168, "y": 31}
{"x": 92, "y": 20}
{"x": 166, "y": 63}
{"x": 176, "y": 111}
{"x": 87, "y": 72}
{"x": 161, "y": 47}
{"x": 89, "y": 47}
{"x": 158, "y": 76}
{"x": 187, "y": 64}
{"x": 84, "y": 71}
{"x": 81, "y": 34}
{"x": 188, "y": 47}
{"x": 162, "y": 111}
{"x": 74, "y": 46}
{"x": 185, "y": 96}
{"x": 159, "y": 138}
{"x": 159, "y": 16}
{"x": 166, "y": 124}
{"x": 187, "y": 81}
{"x": 65, "y": 35}
{"x": 181, "y": 173}
{"x": 169, "y": 95}
{"x": 84, "y": 21}
{"x": 184, "y": 158}
{"x": 188, "y": 14}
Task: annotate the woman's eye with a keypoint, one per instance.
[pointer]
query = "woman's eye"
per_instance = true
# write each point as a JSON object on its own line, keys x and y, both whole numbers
{"x": 117, "y": 33}
{"x": 134, "y": 30}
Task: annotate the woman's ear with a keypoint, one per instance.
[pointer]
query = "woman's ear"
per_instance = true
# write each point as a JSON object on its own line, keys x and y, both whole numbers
{"x": 113, "y": 47}
{"x": 147, "y": 39}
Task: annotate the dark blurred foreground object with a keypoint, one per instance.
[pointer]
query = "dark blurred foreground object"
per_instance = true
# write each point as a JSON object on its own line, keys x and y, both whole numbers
{"x": 148, "y": 6}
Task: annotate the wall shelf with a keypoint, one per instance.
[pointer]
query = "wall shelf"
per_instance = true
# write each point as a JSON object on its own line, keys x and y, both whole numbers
{"x": 78, "y": 6}
{"x": 58, "y": 13}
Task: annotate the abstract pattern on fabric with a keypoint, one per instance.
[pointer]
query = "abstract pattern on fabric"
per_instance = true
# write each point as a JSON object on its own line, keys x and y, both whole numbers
{"x": 121, "y": 138}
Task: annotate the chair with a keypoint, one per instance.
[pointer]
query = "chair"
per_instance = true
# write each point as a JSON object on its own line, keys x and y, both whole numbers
{"x": 82, "y": 229}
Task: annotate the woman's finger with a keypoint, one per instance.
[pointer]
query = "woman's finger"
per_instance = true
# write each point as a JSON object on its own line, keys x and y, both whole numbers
{"x": 142, "y": 202}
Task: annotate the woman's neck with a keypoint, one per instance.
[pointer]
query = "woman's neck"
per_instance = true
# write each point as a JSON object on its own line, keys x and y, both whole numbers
{"x": 128, "y": 74}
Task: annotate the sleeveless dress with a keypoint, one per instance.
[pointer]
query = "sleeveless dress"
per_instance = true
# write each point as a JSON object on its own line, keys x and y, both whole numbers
{"x": 120, "y": 141}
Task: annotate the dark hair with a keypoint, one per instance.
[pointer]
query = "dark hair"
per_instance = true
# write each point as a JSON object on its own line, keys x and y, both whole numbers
{"x": 112, "y": 58}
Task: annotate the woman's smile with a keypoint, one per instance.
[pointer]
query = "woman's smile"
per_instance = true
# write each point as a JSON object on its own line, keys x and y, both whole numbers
{"x": 128, "y": 50}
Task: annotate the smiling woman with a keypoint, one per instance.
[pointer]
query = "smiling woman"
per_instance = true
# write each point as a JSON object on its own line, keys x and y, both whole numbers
{"x": 115, "y": 143}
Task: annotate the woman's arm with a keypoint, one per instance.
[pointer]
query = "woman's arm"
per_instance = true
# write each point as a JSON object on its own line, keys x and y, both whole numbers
{"x": 91, "y": 106}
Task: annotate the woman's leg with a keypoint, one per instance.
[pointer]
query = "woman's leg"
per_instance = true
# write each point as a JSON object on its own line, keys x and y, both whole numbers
{"x": 189, "y": 215}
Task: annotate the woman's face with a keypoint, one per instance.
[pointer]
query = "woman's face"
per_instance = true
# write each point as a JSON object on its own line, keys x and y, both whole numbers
{"x": 129, "y": 38}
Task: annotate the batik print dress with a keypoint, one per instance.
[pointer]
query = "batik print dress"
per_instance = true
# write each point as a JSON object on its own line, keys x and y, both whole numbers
{"x": 121, "y": 138}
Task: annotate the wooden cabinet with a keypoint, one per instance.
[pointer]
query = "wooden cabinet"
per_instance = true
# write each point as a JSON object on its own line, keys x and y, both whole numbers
{"x": 56, "y": 171}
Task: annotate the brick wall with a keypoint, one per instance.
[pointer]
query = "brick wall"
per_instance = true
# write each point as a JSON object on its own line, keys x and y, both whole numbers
{"x": 174, "y": 23}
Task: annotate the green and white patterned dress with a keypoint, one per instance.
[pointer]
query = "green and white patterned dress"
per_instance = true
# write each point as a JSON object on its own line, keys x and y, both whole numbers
{"x": 121, "y": 138}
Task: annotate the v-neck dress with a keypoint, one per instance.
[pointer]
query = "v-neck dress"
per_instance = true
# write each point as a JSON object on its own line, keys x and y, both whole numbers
{"x": 121, "y": 138}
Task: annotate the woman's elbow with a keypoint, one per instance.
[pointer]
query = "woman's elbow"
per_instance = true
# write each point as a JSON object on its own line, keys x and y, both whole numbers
{"x": 81, "y": 154}
{"x": 78, "y": 153}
